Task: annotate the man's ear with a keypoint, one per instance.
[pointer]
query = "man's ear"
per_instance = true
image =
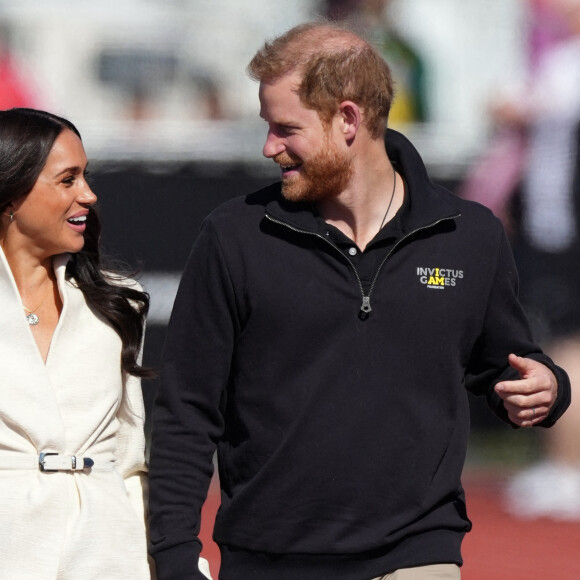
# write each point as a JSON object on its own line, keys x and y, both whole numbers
{"x": 351, "y": 119}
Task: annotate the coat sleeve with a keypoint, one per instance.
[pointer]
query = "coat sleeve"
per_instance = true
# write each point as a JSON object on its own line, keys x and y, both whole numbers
{"x": 188, "y": 413}
{"x": 130, "y": 448}
{"x": 130, "y": 459}
{"x": 131, "y": 445}
{"x": 506, "y": 330}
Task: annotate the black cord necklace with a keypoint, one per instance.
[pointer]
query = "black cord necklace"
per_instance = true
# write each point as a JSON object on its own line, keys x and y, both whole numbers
{"x": 391, "y": 200}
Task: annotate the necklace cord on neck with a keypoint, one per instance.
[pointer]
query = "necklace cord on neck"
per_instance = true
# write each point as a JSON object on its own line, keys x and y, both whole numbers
{"x": 391, "y": 200}
{"x": 41, "y": 303}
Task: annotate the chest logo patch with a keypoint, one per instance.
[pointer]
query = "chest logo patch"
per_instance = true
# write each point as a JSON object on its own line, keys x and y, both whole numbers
{"x": 439, "y": 278}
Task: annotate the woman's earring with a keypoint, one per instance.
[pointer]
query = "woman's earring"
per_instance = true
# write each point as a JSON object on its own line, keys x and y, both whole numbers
{"x": 11, "y": 215}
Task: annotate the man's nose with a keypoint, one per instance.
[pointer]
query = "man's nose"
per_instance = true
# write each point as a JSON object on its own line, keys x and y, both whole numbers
{"x": 273, "y": 146}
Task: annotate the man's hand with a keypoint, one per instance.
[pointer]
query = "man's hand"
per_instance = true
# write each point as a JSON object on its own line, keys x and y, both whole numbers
{"x": 529, "y": 399}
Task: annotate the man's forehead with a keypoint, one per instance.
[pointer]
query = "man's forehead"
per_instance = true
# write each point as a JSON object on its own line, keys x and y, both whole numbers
{"x": 282, "y": 87}
{"x": 291, "y": 80}
{"x": 283, "y": 106}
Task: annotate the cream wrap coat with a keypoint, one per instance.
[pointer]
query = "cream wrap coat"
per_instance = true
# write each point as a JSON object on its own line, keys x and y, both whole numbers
{"x": 68, "y": 525}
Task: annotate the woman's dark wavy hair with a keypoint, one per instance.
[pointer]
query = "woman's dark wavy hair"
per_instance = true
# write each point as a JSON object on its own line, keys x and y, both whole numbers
{"x": 26, "y": 139}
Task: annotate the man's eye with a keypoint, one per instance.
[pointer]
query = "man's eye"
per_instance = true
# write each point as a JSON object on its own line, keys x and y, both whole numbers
{"x": 287, "y": 130}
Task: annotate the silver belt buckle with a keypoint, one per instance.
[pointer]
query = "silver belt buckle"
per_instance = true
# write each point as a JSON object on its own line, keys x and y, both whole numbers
{"x": 42, "y": 458}
{"x": 66, "y": 463}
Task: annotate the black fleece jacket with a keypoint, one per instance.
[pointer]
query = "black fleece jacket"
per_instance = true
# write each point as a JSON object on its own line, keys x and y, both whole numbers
{"x": 341, "y": 434}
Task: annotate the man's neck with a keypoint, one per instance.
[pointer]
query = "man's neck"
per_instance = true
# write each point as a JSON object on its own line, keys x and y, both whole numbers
{"x": 371, "y": 200}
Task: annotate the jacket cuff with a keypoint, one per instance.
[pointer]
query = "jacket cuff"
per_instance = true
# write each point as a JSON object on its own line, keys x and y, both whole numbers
{"x": 564, "y": 395}
{"x": 179, "y": 562}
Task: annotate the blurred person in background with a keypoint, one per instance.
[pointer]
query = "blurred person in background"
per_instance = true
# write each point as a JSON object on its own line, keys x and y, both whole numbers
{"x": 544, "y": 222}
{"x": 72, "y": 446}
{"x": 323, "y": 338}
{"x": 495, "y": 178}
{"x": 371, "y": 19}
{"x": 15, "y": 89}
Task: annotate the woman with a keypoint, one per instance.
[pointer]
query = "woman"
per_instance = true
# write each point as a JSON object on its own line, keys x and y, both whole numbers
{"x": 72, "y": 446}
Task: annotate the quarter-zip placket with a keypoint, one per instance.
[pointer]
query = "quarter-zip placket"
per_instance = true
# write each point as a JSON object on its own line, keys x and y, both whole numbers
{"x": 365, "y": 308}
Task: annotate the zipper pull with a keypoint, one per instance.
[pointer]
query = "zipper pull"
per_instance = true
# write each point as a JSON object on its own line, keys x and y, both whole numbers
{"x": 365, "y": 308}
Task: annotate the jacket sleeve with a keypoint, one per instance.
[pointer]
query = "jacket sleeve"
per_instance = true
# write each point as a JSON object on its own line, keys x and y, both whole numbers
{"x": 130, "y": 458}
{"x": 130, "y": 450}
{"x": 130, "y": 445}
{"x": 506, "y": 330}
{"x": 187, "y": 416}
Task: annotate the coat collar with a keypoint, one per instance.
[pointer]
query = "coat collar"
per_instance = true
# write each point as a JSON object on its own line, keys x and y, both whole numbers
{"x": 14, "y": 321}
{"x": 26, "y": 377}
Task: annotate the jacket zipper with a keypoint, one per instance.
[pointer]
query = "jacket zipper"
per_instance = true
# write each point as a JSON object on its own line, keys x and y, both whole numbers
{"x": 365, "y": 308}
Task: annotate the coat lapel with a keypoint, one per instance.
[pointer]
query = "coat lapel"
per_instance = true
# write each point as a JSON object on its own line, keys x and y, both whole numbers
{"x": 28, "y": 398}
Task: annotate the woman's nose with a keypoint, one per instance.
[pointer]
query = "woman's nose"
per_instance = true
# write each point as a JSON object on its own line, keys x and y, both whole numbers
{"x": 87, "y": 196}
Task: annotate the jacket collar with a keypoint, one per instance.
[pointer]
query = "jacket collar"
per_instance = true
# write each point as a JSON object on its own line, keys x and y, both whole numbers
{"x": 427, "y": 202}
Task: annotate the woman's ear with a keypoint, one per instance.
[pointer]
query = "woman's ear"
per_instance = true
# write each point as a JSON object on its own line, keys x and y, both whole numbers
{"x": 9, "y": 211}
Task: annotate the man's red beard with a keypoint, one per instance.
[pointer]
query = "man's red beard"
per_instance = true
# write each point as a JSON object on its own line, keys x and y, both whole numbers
{"x": 323, "y": 176}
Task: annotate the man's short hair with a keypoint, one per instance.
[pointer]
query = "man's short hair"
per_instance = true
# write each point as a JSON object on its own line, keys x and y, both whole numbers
{"x": 334, "y": 65}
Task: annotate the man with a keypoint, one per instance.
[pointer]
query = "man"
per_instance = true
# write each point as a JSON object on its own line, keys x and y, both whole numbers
{"x": 323, "y": 337}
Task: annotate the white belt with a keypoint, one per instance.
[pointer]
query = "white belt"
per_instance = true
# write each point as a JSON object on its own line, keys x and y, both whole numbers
{"x": 49, "y": 462}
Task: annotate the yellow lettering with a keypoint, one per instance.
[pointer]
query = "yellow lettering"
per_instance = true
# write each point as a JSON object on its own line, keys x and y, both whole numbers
{"x": 436, "y": 281}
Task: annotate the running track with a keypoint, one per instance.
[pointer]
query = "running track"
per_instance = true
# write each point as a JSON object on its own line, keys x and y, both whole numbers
{"x": 498, "y": 548}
